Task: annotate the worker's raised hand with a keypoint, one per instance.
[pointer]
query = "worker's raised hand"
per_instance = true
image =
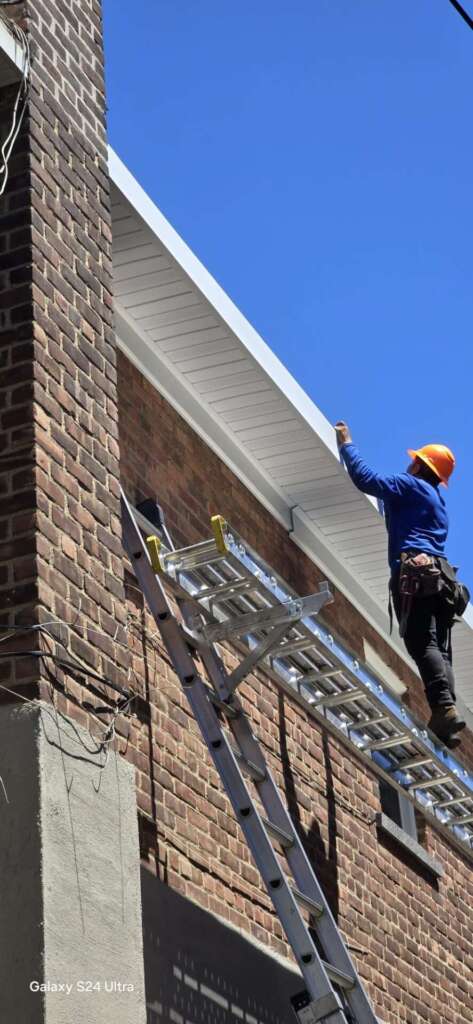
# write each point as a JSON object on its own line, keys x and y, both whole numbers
{"x": 343, "y": 433}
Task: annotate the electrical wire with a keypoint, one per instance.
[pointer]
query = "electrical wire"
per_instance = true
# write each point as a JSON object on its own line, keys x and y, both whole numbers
{"x": 73, "y": 666}
{"x": 463, "y": 14}
{"x": 71, "y": 662}
{"x": 108, "y": 735}
{"x": 105, "y": 740}
{"x": 20, "y": 105}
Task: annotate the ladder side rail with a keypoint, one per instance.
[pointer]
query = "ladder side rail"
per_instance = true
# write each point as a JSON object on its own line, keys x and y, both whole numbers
{"x": 305, "y": 876}
{"x": 302, "y": 871}
{"x": 279, "y": 891}
{"x": 434, "y": 756}
{"x": 276, "y": 884}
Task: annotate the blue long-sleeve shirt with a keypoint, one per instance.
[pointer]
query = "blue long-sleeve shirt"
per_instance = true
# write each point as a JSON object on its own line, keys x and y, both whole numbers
{"x": 415, "y": 510}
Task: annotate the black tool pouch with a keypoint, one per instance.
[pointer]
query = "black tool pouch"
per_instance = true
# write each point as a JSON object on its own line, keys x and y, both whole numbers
{"x": 423, "y": 575}
{"x": 420, "y": 575}
{"x": 456, "y": 595}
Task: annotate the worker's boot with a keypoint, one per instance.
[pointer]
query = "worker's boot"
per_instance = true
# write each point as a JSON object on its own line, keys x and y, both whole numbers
{"x": 446, "y": 723}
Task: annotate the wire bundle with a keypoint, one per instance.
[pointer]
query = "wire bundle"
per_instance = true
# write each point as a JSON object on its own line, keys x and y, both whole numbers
{"x": 74, "y": 666}
{"x": 21, "y": 101}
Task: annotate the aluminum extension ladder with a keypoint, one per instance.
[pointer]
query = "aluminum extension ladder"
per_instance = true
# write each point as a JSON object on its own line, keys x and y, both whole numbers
{"x": 224, "y": 576}
{"x": 334, "y": 992}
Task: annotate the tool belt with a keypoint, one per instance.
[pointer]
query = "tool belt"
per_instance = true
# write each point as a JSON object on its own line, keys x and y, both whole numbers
{"x": 454, "y": 593}
{"x": 420, "y": 575}
{"x": 423, "y": 575}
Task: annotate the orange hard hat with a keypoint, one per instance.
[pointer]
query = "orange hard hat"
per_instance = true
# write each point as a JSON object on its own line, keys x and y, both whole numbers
{"x": 438, "y": 458}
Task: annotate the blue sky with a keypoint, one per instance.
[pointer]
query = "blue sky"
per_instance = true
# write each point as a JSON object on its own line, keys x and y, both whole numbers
{"x": 317, "y": 156}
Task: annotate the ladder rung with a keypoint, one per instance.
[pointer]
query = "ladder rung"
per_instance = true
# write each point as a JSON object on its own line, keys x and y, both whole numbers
{"x": 332, "y": 700}
{"x": 438, "y": 804}
{"x": 440, "y": 780}
{"x": 222, "y": 705}
{"x": 414, "y": 762}
{"x": 252, "y": 769}
{"x": 285, "y": 839}
{"x": 225, "y": 590}
{"x": 303, "y": 643}
{"x": 339, "y": 978}
{"x": 263, "y": 618}
{"x": 190, "y": 558}
{"x": 318, "y": 674}
{"x": 307, "y": 902}
{"x": 366, "y": 723}
{"x": 467, "y": 819}
{"x": 388, "y": 741}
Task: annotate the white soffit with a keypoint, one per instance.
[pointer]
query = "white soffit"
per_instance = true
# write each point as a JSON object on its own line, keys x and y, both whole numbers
{"x": 181, "y": 329}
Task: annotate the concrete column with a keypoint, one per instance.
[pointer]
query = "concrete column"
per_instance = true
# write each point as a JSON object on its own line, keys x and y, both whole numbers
{"x": 70, "y": 909}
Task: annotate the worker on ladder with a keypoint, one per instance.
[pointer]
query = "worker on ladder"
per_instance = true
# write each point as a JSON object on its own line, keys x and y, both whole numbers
{"x": 423, "y": 585}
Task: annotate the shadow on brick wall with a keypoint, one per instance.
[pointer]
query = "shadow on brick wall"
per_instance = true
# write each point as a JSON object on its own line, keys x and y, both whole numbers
{"x": 198, "y": 969}
{"x": 324, "y": 859}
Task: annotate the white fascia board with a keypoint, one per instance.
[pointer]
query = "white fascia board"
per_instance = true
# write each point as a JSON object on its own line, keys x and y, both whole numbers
{"x": 223, "y": 305}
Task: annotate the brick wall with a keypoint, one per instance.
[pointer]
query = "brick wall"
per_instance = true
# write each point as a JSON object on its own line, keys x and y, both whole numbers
{"x": 60, "y": 556}
{"x": 18, "y": 584}
{"x": 404, "y": 927}
{"x": 61, "y": 550}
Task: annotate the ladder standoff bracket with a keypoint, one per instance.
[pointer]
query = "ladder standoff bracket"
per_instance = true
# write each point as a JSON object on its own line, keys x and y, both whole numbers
{"x": 154, "y": 546}
{"x": 219, "y": 527}
{"x": 324, "y": 588}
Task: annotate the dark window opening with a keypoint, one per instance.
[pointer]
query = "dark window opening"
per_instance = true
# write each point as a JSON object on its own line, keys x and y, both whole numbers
{"x": 398, "y": 808}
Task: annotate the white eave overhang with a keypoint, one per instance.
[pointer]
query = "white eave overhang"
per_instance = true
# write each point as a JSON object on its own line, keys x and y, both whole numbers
{"x": 189, "y": 339}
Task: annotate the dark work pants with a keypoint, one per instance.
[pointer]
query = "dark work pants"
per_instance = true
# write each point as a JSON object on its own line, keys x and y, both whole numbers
{"x": 427, "y": 639}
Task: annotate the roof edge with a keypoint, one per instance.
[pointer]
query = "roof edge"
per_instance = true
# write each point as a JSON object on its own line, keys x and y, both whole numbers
{"x": 226, "y": 309}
